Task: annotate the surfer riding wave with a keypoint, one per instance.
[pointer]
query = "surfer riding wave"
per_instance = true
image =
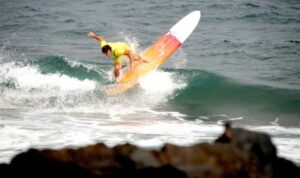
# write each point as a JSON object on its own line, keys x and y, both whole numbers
{"x": 117, "y": 50}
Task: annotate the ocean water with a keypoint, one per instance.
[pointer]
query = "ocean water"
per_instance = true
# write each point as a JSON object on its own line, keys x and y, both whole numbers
{"x": 241, "y": 64}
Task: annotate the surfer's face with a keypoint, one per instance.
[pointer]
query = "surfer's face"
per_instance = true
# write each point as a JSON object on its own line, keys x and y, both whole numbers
{"x": 108, "y": 53}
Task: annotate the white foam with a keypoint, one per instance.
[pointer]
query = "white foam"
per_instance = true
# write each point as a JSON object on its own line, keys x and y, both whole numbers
{"x": 132, "y": 41}
{"x": 160, "y": 82}
{"x": 181, "y": 60}
{"x": 146, "y": 128}
{"x": 31, "y": 88}
{"x": 153, "y": 90}
{"x": 29, "y": 77}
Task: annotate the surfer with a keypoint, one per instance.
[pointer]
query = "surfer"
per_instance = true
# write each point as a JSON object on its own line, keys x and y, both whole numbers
{"x": 117, "y": 50}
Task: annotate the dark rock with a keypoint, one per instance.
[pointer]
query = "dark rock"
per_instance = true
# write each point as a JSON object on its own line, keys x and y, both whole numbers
{"x": 205, "y": 160}
{"x": 259, "y": 152}
{"x": 285, "y": 168}
{"x": 238, "y": 153}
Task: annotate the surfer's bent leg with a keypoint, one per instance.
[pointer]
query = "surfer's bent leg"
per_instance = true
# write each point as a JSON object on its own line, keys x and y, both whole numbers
{"x": 117, "y": 68}
{"x": 137, "y": 57}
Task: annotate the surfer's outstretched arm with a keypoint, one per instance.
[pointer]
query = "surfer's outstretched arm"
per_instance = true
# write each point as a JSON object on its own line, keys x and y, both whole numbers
{"x": 95, "y": 36}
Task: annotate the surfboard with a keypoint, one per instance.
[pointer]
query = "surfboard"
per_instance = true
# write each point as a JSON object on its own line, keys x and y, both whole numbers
{"x": 157, "y": 53}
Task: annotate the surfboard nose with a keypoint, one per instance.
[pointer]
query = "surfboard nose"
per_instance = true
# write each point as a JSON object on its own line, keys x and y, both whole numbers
{"x": 196, "y": 14}
{"x": 182, "y": 29}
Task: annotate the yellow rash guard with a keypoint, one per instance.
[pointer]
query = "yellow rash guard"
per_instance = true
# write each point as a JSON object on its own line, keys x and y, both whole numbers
{"x": 118, "y": 50}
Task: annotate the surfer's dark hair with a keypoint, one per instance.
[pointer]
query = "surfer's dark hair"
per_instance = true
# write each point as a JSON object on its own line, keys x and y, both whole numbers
{"x": 106, "y": 48}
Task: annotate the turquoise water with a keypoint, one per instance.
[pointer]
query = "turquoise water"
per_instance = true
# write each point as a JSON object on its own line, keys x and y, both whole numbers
{"x": 240, "y": 64}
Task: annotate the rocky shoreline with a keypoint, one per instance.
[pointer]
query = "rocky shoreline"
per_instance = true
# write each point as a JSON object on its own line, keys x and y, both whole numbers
{"x": 236, "y": 153}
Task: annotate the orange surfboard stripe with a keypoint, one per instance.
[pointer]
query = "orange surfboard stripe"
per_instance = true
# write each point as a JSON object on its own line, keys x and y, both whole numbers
{"x": 156, "y": 54}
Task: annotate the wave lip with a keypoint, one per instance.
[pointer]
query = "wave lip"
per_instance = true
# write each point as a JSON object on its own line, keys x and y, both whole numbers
{"x": 29, "y": 77}
{"x": 25, "y": 86}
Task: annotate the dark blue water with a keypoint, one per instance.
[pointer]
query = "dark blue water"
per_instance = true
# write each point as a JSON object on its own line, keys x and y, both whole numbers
{"x": 241, "y": 64}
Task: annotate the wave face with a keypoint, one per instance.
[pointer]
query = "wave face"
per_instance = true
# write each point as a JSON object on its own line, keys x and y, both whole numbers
{"x": 208, "y": 94}
{"x": 58, "y": 82}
